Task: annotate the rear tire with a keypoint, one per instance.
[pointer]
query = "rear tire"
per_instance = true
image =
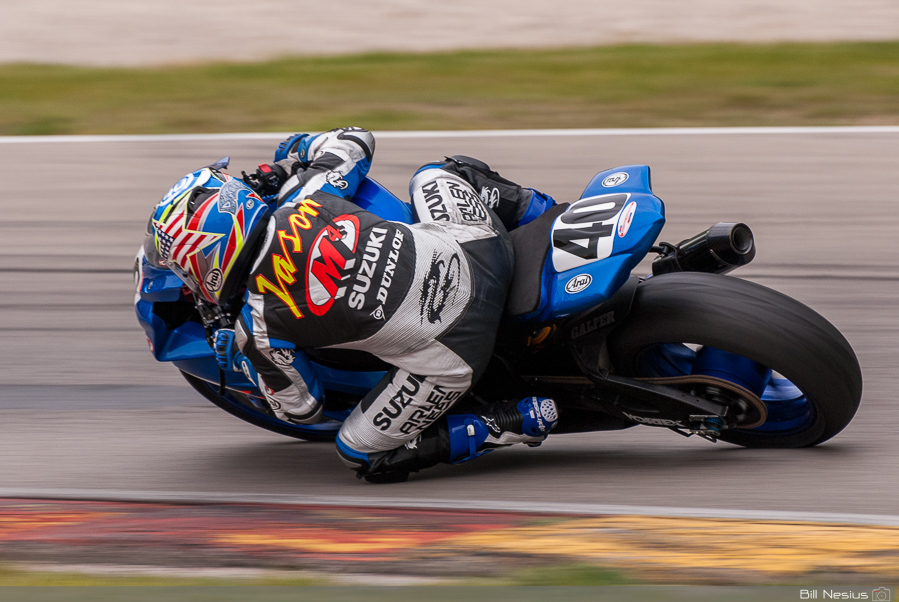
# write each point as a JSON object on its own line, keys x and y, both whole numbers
{"x": 755, "y": 322}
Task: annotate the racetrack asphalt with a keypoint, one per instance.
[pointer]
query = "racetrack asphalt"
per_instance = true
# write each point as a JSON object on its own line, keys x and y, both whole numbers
{"x": 85, "y": 408}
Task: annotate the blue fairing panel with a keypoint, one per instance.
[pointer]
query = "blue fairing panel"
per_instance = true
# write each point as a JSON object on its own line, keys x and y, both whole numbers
{"x": 187, "y": 341}
{"x": 629, "y": 178}
{"x": 159, "y": 284}
{"x": 373, "y": 197}
{"x": 358, "y": 383}
{"x": 598, "y": 240}
{"x": 207, "y": 369}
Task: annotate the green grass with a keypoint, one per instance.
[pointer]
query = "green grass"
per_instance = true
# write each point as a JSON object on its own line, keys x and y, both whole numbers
{"x": 624, "y": 86}
{"x": 578, "y": 574}
{"x": 575, "y": 574}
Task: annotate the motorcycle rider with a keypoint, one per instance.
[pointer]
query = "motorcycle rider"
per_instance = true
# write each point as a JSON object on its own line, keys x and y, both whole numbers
{"x": 322, "y": 273}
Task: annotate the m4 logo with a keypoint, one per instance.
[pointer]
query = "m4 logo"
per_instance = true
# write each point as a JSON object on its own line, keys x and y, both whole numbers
{"x": 330, "y": 258}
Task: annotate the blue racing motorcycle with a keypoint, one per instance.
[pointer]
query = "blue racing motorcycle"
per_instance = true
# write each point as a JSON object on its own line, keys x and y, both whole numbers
{"x": 685, "y": 348}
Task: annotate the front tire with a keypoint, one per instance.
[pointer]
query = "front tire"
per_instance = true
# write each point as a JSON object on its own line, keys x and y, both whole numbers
{"x": 821, "y": 382}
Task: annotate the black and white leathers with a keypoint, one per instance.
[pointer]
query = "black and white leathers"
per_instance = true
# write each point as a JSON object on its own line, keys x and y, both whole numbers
{"x": 426, "y": 298}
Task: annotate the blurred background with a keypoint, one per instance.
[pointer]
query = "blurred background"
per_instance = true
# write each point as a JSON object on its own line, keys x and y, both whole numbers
{"x": 86, "y": 412}
{"x": 117, "y": 67}
{"x": 169, "y": 32}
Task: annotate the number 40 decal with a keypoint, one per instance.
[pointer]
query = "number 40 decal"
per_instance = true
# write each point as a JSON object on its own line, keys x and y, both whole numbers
{"x": 585, "y": 232}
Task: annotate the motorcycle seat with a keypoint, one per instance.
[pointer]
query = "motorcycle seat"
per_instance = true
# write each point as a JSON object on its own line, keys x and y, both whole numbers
{"x": 531, "y": 244}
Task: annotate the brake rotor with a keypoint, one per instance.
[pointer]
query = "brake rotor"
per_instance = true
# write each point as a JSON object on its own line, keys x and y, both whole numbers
{"x": 751, "y": 410}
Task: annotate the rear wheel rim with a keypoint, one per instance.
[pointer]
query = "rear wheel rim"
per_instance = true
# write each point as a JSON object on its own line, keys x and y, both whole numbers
{"x": 790, "y": 411}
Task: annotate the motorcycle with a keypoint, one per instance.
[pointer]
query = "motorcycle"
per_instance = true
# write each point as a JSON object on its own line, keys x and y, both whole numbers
{"x": 685, "y": 348}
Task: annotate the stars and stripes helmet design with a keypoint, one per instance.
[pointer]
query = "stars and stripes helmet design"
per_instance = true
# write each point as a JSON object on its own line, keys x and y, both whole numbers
{"x": 205, "y": 228}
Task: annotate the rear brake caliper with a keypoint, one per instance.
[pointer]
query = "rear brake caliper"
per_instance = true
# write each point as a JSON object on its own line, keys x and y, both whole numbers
{"x": 707, "y": 427}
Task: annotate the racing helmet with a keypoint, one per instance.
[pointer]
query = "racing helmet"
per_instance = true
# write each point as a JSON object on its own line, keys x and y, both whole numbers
{"x": 205, "y": 229}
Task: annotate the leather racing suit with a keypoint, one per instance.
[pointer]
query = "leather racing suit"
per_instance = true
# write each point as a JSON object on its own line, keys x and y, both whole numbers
{"x": 426, "y": 298}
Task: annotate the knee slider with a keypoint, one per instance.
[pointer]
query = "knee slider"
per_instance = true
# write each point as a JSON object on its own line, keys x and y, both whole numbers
{"x": 354, "y": 460}
{"x": 426, "y": 450}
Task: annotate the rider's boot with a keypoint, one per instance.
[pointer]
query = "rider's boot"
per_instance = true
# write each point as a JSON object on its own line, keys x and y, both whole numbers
{"x": 528, "y": 421}
{"x": 460, "y": 438}
{"x": 514, "y": 205}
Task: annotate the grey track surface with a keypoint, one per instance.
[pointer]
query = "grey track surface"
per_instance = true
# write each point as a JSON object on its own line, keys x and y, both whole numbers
{"x": 83, "y": 405}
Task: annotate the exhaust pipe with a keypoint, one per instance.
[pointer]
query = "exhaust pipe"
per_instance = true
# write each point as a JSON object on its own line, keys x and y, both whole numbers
{"x": 720, "y": 249}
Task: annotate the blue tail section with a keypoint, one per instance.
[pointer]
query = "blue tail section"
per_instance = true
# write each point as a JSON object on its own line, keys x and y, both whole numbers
{"x": 591, "y": 248}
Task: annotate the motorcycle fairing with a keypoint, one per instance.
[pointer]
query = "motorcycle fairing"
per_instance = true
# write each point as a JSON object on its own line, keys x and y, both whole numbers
{"x": 186, "y": 341}
{"x": 373, "y": 197}
{"x": 159, "y": 284}
{"x": 595, "y": 243}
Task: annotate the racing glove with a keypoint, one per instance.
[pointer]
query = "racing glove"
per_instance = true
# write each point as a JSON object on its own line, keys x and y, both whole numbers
{"x": 229, "y": 356}
{"x": 225, "y": 348}
{"x": 292, "y": 154}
